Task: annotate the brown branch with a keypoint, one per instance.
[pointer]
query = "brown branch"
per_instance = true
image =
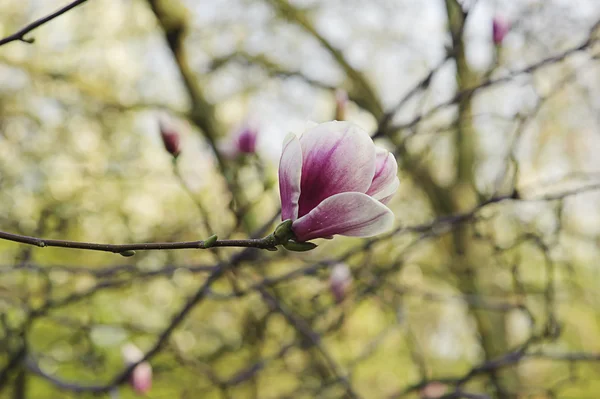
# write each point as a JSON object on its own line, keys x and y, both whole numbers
{"x": 127, "y": 249}
{"x": 20, "y": 34}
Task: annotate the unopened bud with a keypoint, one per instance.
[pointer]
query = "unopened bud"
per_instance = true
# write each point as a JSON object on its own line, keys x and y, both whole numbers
{"x": 170, "y": 139}
{"x": 500, "y": 28}
{"x": 341, "y": 102}
{"x": 210, "y": 241}
{"x": 140, "y": 378}
{"x": 340, "y": 281}
{"x": 433, "y": 390}
{"x": 246, "y": 140}
{"x": 243, "y": 141}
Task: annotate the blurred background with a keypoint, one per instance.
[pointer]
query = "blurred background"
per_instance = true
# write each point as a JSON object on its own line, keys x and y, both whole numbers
{"x": 486, "y": 288}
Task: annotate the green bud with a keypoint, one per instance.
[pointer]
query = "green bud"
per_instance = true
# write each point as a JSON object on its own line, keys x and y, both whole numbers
{"x": 127, "y": 253}
{"x": 272, "y": 249}
{"x": 283, "y": 232}
{"x": 299, "y": 246}
{"x": 210, "y": 241}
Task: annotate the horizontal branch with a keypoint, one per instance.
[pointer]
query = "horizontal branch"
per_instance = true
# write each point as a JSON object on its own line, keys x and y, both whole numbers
{"x": 20, "y": 35}
{"x": 268, "y": 242}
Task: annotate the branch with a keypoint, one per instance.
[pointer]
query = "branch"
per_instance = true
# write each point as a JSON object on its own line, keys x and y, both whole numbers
{"x": 20, "y": 35}
{"x": 503, "y": 79}
{"x": 122, "y": 376}
{"x": 269, "y": 242}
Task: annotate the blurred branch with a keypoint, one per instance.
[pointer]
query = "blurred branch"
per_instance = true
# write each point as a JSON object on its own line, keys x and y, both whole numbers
{"x": 172, "y": 18}
{"x": 271, "y": 67}
{"x": 361, "y": 90}
{"x": 20, "y": 35}
{"x": 161, "y": 340}
{"x": 386, "y": 119}
{"x": 591, "y": 40}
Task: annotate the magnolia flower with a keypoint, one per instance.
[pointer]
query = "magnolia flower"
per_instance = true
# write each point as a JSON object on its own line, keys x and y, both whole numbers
{"x": 170, "y": 138}
{"x": 241, "y": 142}
{"x": 500, "y": 28}
{"x": 334, "y": 180}
{"x": 340, "y": 281}
{"x": 141, "y": 376}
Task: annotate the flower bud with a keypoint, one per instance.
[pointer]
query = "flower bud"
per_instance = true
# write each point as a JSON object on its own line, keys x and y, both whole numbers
{"x": 433, "y": 390}
{"x": 140, "y": 378}
{"x": 241, "y": 142}
{"x": 170, "y": 139}
{"x": 246, "y": 140}
{"x": 341, "y": 103}
{"x": 340, "y": 281}
{"x": 500, "y": 28}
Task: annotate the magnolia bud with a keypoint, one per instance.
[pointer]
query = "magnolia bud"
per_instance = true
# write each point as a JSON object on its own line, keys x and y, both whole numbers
{"x": 240, "y": 142}
{"x": 340, "y": 281}
{"x": 246, "y": 140}
{"x": 140, "y": 378}
{"x": 500, "y": 28}
{"x": 341, "y": 102}
{"x": 433, "y": 390}
{"x": 170, "y": 139}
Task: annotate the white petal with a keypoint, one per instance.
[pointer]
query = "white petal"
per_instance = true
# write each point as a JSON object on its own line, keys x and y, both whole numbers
{"x": 349, "y": 214}
{"x": 386, "y": 193}
{"x": 290, "y": 172}
{"x": 386, "y": 170}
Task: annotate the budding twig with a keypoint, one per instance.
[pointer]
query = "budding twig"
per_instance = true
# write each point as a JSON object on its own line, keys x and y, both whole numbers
{"x": 281, "y": 236}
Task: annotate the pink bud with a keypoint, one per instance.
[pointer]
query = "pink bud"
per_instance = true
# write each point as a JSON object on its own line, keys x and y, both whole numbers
{"x": 241, "y": 142}
{"x": 340, "y": 281}
{"x": 170, "y": 139}
{"x": 500, "y": 28}
{"x": 341, "y": 102}
{"x": 246, "y": 140}
{"x": 140, "y": 378}
{"x": 433, "y": 390}
{"x": 334, "y": 180}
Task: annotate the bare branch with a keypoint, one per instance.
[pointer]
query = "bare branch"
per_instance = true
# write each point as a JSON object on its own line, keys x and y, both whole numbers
{"x": 20, "y": 35}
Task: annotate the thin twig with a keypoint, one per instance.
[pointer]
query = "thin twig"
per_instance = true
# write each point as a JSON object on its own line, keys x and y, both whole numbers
{"x": 20, "y": 35}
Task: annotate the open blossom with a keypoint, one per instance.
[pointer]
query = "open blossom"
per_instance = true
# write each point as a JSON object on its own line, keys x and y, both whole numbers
{"x": 500, "y": 28}
{"x": 241, "y": 142}
{"x": 141, "y": 376}
{"x": 334, "y": 180}
{"x": 170, "y": 138}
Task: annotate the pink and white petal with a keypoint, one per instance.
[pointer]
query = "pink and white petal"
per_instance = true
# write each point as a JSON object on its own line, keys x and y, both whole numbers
{"x": 290, "y": 172}
{"x": 349, "y": 214}
{"x": 386, "y": 169}
{"x": 337, "y": 157}
{"x": 387, "y": 192}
